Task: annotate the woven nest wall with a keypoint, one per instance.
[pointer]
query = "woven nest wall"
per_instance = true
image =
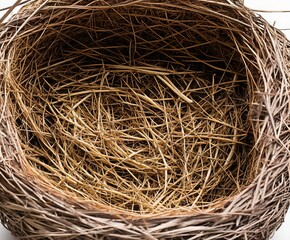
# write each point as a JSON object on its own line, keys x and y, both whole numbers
{"x": 143, "y": 120}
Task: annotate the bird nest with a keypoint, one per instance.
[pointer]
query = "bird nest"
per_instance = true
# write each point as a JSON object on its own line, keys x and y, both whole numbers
{"x": 143, "y": 120}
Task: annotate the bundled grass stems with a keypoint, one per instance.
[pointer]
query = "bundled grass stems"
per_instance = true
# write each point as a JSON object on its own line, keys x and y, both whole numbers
{"x": 143, "y": 120}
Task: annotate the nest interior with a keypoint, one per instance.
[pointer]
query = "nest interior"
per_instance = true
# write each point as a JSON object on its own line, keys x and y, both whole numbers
{"x": 142, "y": 107}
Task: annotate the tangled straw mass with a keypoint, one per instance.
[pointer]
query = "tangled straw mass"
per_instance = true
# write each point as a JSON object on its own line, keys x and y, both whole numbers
{"x": 143, "y": 117}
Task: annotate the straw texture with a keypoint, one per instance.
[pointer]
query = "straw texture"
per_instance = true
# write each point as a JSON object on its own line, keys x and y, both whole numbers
{"x": 143, "y": 120}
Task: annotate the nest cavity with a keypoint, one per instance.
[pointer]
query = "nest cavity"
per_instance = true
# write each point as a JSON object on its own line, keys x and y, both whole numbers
{"x": 143, "y": 107}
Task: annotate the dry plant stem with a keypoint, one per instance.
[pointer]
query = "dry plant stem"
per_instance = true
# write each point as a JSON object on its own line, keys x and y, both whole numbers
{"x": 143, "y": 120}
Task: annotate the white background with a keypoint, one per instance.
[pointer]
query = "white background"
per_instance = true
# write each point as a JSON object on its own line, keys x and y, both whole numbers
{"x": 280, "y": 20}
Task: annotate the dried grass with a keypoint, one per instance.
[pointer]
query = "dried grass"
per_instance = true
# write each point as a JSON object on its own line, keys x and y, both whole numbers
{"x": 143, "y": 120}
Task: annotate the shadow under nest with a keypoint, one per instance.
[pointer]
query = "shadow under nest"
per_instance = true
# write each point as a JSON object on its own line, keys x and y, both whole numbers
{"x": 144, "y": 111}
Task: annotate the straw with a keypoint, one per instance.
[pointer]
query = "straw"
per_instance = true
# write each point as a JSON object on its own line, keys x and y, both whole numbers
{"x": 143, "y": 120}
